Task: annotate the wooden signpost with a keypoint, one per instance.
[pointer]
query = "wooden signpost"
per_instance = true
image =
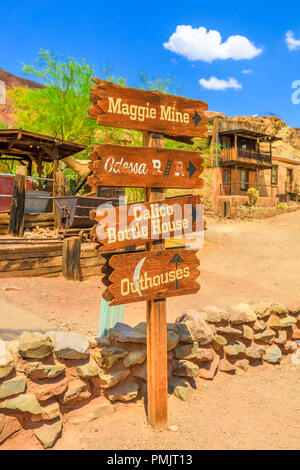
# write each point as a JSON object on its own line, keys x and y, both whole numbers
{"x": 145, "y": 167}
{"x": 130, "y": 108}
{"x": 156, "y": 273}
{"x": 135, "y": 277}
{"x": 146, "y": 221}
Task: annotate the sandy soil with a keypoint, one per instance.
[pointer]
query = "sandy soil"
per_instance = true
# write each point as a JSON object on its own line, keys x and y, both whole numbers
{"x": 240, "y": 261}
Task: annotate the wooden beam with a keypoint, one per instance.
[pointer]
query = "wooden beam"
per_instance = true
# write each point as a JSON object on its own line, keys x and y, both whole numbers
{"x": 16, "y": 222}
{"x": 157, "y": 370}
{"x": 71, "y": 259}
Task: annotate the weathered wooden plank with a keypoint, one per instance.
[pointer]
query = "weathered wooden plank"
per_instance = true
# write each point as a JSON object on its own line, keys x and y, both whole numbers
{"x": 145, "y": 167}
{"x": 71, "y": 259}
{"x": 130, "y": 108}
{"x": 31, "y": 263}
{"x": 30, "y": 272}
{"x": 140, "y": 223}
{"x": 96, "y": 261}
{"x": 30, "y": 255}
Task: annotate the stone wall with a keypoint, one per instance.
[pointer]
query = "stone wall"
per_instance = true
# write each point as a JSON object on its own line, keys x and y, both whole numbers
{"x": 45, "y": 378}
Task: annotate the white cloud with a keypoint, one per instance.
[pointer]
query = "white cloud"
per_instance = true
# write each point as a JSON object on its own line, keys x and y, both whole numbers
{"x": 201, "y": 44}
{"x": 214, "y": 83}
{"x": 292, "y": 43}
{"x": 247, "y": 71}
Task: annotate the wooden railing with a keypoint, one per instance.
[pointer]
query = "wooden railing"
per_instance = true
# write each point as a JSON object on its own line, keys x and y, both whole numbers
{"x": 232, "y": 154}
{"x": 234, "y": 188}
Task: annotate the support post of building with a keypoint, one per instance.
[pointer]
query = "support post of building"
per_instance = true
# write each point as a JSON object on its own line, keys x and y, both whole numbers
{"x": 16, "y": 220}
{"x": 71, "y": 259}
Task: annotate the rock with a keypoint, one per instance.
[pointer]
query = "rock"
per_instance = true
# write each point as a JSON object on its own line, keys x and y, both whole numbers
{"x": 296, "y": 332}
{"x": 77, "y": 390}
{"x": 278, "y": 309}
{"x": 274, "y": 322}
{"x": 7, "y": 364}
{"x": 228, "y": 330}
{"x": 247, "y": 332}
{"x": 290, "y": 347}
{"x": 209, "y": 369}
{"x": 219, "y": 342}
{"x": 9, "y": 425}
{"x": 90, "y": 412}
{"x": 241, "y": 313}
{"x": 204, "y": 354}
{"x": 235, "y": 349}
{"x": 281, "y": 337}
{"x": 172, "y": 339}
{"x": 255, "y": 351}
{"x": 124, "y": 392}
{"x": 266, "y": 336}
{"x": 48, "y": 433}
{"x": 37, "y": 370}
{"x": 70, "y": 345}
{"x": 26, "y": 403}
{"x": 195, "y": 328}
{"x": 273, "y": 354}
{"x": 107, "y": 356}
{"x": 35, "y": 345}
{"x": 259, "y": 325}
{"x": 122, "y": 333}
{"x": 216, "y": 315}
{"x": 185, "y": 368}
{"x": 51, "y": 410}
{"x": 90, "y": 369}
{"x": 242, "y": 364}
{"x": 262, "y": 309}
{"x": 13, "y": 346}
{"x": 186, "y": 350}
{"x": 180, "y": 389}
{"x": 135, "y": 357}
{"x": 45, "y": 391}
{"x": 102, "y": 341}
{"x": 140, "y": 372}
{"x": 226, "y": 366}
{"x": 12, "y": 387}
{"x": 287, "y": 321}
{"x": 113, "y": 378}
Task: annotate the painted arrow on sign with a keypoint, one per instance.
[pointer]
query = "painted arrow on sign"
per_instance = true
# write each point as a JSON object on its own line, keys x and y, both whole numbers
{"x": 133, "y": 277}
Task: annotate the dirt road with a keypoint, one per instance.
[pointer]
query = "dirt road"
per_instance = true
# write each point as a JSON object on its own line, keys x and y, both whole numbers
{"x": 240, "y": 262}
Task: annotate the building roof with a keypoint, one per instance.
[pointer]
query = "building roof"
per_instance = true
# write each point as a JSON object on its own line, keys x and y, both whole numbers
{"x": 25, "y": 145}
{"x": 251, "y": 133}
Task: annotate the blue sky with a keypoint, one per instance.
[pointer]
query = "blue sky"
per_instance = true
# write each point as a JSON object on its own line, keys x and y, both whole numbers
{"x": 131, "y": 35}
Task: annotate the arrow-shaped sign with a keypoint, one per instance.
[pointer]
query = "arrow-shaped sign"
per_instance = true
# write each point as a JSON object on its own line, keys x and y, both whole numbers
{"x": 191, "y": 169}
{"x": 176, "y": 259}
{"x": 196, "y": 118}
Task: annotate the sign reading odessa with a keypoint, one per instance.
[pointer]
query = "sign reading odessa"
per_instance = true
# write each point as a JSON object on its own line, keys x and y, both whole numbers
{"x": 139, "y": 223}
{"x": 117, "y": 165}
{"x": 134, "y": 277}
{"x": 130, "y": 108}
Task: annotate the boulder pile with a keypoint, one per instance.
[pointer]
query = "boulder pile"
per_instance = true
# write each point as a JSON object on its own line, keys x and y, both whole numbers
{"x": 44, "y": 377}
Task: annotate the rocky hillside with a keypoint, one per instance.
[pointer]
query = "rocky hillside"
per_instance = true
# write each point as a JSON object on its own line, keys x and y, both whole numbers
{"x": 12, "y": 81}
{"x": 288, "y": 146}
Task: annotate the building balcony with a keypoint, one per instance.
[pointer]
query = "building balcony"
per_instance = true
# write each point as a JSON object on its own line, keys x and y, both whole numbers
{"x": 243, "y": 158}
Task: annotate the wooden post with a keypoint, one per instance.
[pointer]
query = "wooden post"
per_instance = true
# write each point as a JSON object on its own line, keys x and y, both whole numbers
{"x": 16, "y": 221}
{"x": 58, "y": 190}
{"x": 157, "y": 373}
{"x": 71, "y": 259}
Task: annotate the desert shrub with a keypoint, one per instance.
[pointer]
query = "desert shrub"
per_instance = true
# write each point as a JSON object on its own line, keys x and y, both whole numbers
{"x": 253, "y": 195}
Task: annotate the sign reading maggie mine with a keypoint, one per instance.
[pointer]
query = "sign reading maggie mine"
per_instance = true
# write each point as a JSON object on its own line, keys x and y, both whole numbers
{"x": 117, "y": 165}
{"x": 139, "y": 223}
{"x": 130, "y": 108}
{"x": 134, "y": 277}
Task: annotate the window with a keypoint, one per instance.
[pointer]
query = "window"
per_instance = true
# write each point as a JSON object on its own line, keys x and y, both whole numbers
{"x": 289, "y": 175}
{"x": 244, "y": 180}
{"x": 226, "y": 176}
{"x": 274, "y": 175}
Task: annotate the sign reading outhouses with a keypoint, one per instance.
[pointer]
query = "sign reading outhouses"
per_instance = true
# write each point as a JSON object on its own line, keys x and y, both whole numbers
{"x": 134, "y": 277}
{"x": 130, "y": 108}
